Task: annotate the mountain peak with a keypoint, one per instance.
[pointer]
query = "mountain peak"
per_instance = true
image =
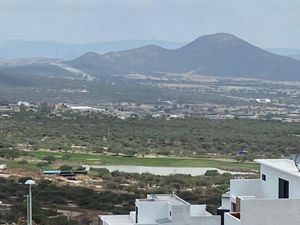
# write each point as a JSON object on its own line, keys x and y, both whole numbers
{"x": 90, "y": 55}
{"x": 219, "y": 38}
{"x": 219, "y": 54}
{"x": 150, "y": 48}
{"x": 222, "y": 36}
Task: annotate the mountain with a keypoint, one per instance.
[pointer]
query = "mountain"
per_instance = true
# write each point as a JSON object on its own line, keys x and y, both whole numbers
{"x": 284, "y": 51}
{"x": 33, "y": 49}
{"x": 290, "y": 52}
{"x": 295, "y": 57}
{"x": 218, "y": 54}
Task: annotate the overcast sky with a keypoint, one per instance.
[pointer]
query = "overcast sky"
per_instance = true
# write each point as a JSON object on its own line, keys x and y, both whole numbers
{"x": 266, "y": 23}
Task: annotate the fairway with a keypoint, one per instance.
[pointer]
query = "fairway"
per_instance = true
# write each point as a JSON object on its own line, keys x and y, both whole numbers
{"x": 102, "y": 159}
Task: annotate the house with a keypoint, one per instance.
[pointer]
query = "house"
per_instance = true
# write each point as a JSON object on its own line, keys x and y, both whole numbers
{"x": 274, "y": 199}
{"x": 163, "y": 209}
{"x": 2, "y": 167}
{"x": 263, "y": 100}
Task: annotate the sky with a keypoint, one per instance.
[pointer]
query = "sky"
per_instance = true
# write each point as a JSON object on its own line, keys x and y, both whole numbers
{"x": 266, "y": 23}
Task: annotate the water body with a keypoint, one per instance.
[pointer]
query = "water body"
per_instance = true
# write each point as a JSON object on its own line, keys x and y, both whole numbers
{"x": 163, "y": 171}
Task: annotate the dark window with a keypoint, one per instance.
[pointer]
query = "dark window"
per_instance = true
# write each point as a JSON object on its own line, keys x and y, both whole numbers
{"x": 136, "y": 214}
{"x": 263, "y": 177}
{"x": 233, "y": 207}
{"x": 283, "y": 188}
{"x": 170, "y": 213}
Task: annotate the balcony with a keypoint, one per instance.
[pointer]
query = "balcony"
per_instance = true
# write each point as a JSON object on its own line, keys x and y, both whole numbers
{"x": 232, "y": 219}
{"x": 250, "y": 188}
{"x": 236, "y": 215}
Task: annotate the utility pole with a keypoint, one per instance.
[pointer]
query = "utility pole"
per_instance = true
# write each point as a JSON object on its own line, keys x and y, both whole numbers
{"x": 27, "y": 204}
{"x": 27, "y": 200}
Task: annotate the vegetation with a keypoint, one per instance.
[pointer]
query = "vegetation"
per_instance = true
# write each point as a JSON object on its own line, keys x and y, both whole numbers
{"x": 101, "y": 159}
{"x": 117, "y": 195}
{"x": 191, "y": 137}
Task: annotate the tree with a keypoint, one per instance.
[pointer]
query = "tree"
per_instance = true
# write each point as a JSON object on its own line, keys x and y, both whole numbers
{"x": 10, "y": 153}
{"x": 42, "y": 164}
{"x": 49, "y": 159}
{"x": 66, "y": 168}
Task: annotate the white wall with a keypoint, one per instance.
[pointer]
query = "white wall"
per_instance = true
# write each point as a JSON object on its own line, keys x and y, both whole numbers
{"x": 245, "y": 187}
{"x": 150, "y": 211}
{"x": 270, "y": 212}
{"x": 198, "y": 210}
{"x": 226, "y": 203}
{"x": 206, "y": 220}
{"x": 270, "y": 186}
{"x": 180, "y": 214}
{"x": 231, "y": 220}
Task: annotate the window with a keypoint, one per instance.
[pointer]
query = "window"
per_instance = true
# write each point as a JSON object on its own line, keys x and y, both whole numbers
{"x": 263, "y": 177}
{"x": 170, "y": 213}
{"x": 233, "y": 207}
{"x": 283, "y": 188}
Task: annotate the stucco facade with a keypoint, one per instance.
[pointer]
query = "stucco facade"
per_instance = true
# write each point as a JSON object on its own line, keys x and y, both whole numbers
{"x": 163, "y": 209}
{"x": 272, "y": 200}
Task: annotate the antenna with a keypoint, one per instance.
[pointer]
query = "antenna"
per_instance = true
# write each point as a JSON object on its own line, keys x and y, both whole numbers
{"x": 296, "y": 158}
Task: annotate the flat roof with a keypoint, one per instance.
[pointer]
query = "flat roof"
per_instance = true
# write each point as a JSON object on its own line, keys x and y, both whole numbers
{"x": 283, "y": 165}
{"x": 169, "y": 198}
{"x": 117, "y": 219}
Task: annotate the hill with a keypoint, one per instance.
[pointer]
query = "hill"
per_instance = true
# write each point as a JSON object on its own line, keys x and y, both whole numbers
{"x": 295, "y": 57}
{"x": 218, "y": 54}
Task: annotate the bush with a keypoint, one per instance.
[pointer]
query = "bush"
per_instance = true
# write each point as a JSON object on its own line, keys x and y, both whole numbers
{"x": 66, "y": 168}
{"x": 24, "y": 179}
{"x": 211, "y": 173}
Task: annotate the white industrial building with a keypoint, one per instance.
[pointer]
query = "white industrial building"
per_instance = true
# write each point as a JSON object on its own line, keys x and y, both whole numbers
{"x": 274, "y": 199}
{"x": 163, "y": 209}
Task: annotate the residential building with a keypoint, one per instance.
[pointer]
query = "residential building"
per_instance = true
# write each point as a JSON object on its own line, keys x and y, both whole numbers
{"x": 163, "y": 209}
{"x": 274, "y": 199}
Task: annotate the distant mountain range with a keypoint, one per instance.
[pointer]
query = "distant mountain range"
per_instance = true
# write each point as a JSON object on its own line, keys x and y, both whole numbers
{"x": 295, "y": 57}
{"x": 218, "y": 54}
{"x": 284, "y": 51}
{"x": 290, "y": 52}
{"x": 34, "y": 49}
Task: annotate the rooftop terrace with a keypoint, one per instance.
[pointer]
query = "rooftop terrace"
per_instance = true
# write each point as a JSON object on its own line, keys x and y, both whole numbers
{"x": 169, "y": 198}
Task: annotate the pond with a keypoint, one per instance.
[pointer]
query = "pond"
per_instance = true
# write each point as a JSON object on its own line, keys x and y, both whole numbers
{"x": 163, "y": 171}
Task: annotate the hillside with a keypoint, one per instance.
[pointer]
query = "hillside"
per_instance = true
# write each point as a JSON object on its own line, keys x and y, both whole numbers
{"x": 296, "y": 57}
{"x": 217, "y": 54}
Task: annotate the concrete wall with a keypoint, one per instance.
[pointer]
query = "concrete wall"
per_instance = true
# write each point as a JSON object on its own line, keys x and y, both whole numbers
{"x": 265, "y": 189}
{"x": 245, "y": 187}
{"x": 150, "y": 211}
{"x": 270, "y": 212}
{"x": 198, "y": 210}
{"x": 180, "y": 214}
{"x": 270, "y": 186}
{"x": 225, "y": 203}
{"x": 231, "y": 220}
{"x": 206, "y": 220}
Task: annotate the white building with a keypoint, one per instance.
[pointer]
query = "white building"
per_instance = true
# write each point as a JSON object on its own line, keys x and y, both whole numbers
{"x": 163, "y": 209}
{"x": 2, "y": 167}
{"x": 274, "y": 199}
{"x": 263, "y": 100}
